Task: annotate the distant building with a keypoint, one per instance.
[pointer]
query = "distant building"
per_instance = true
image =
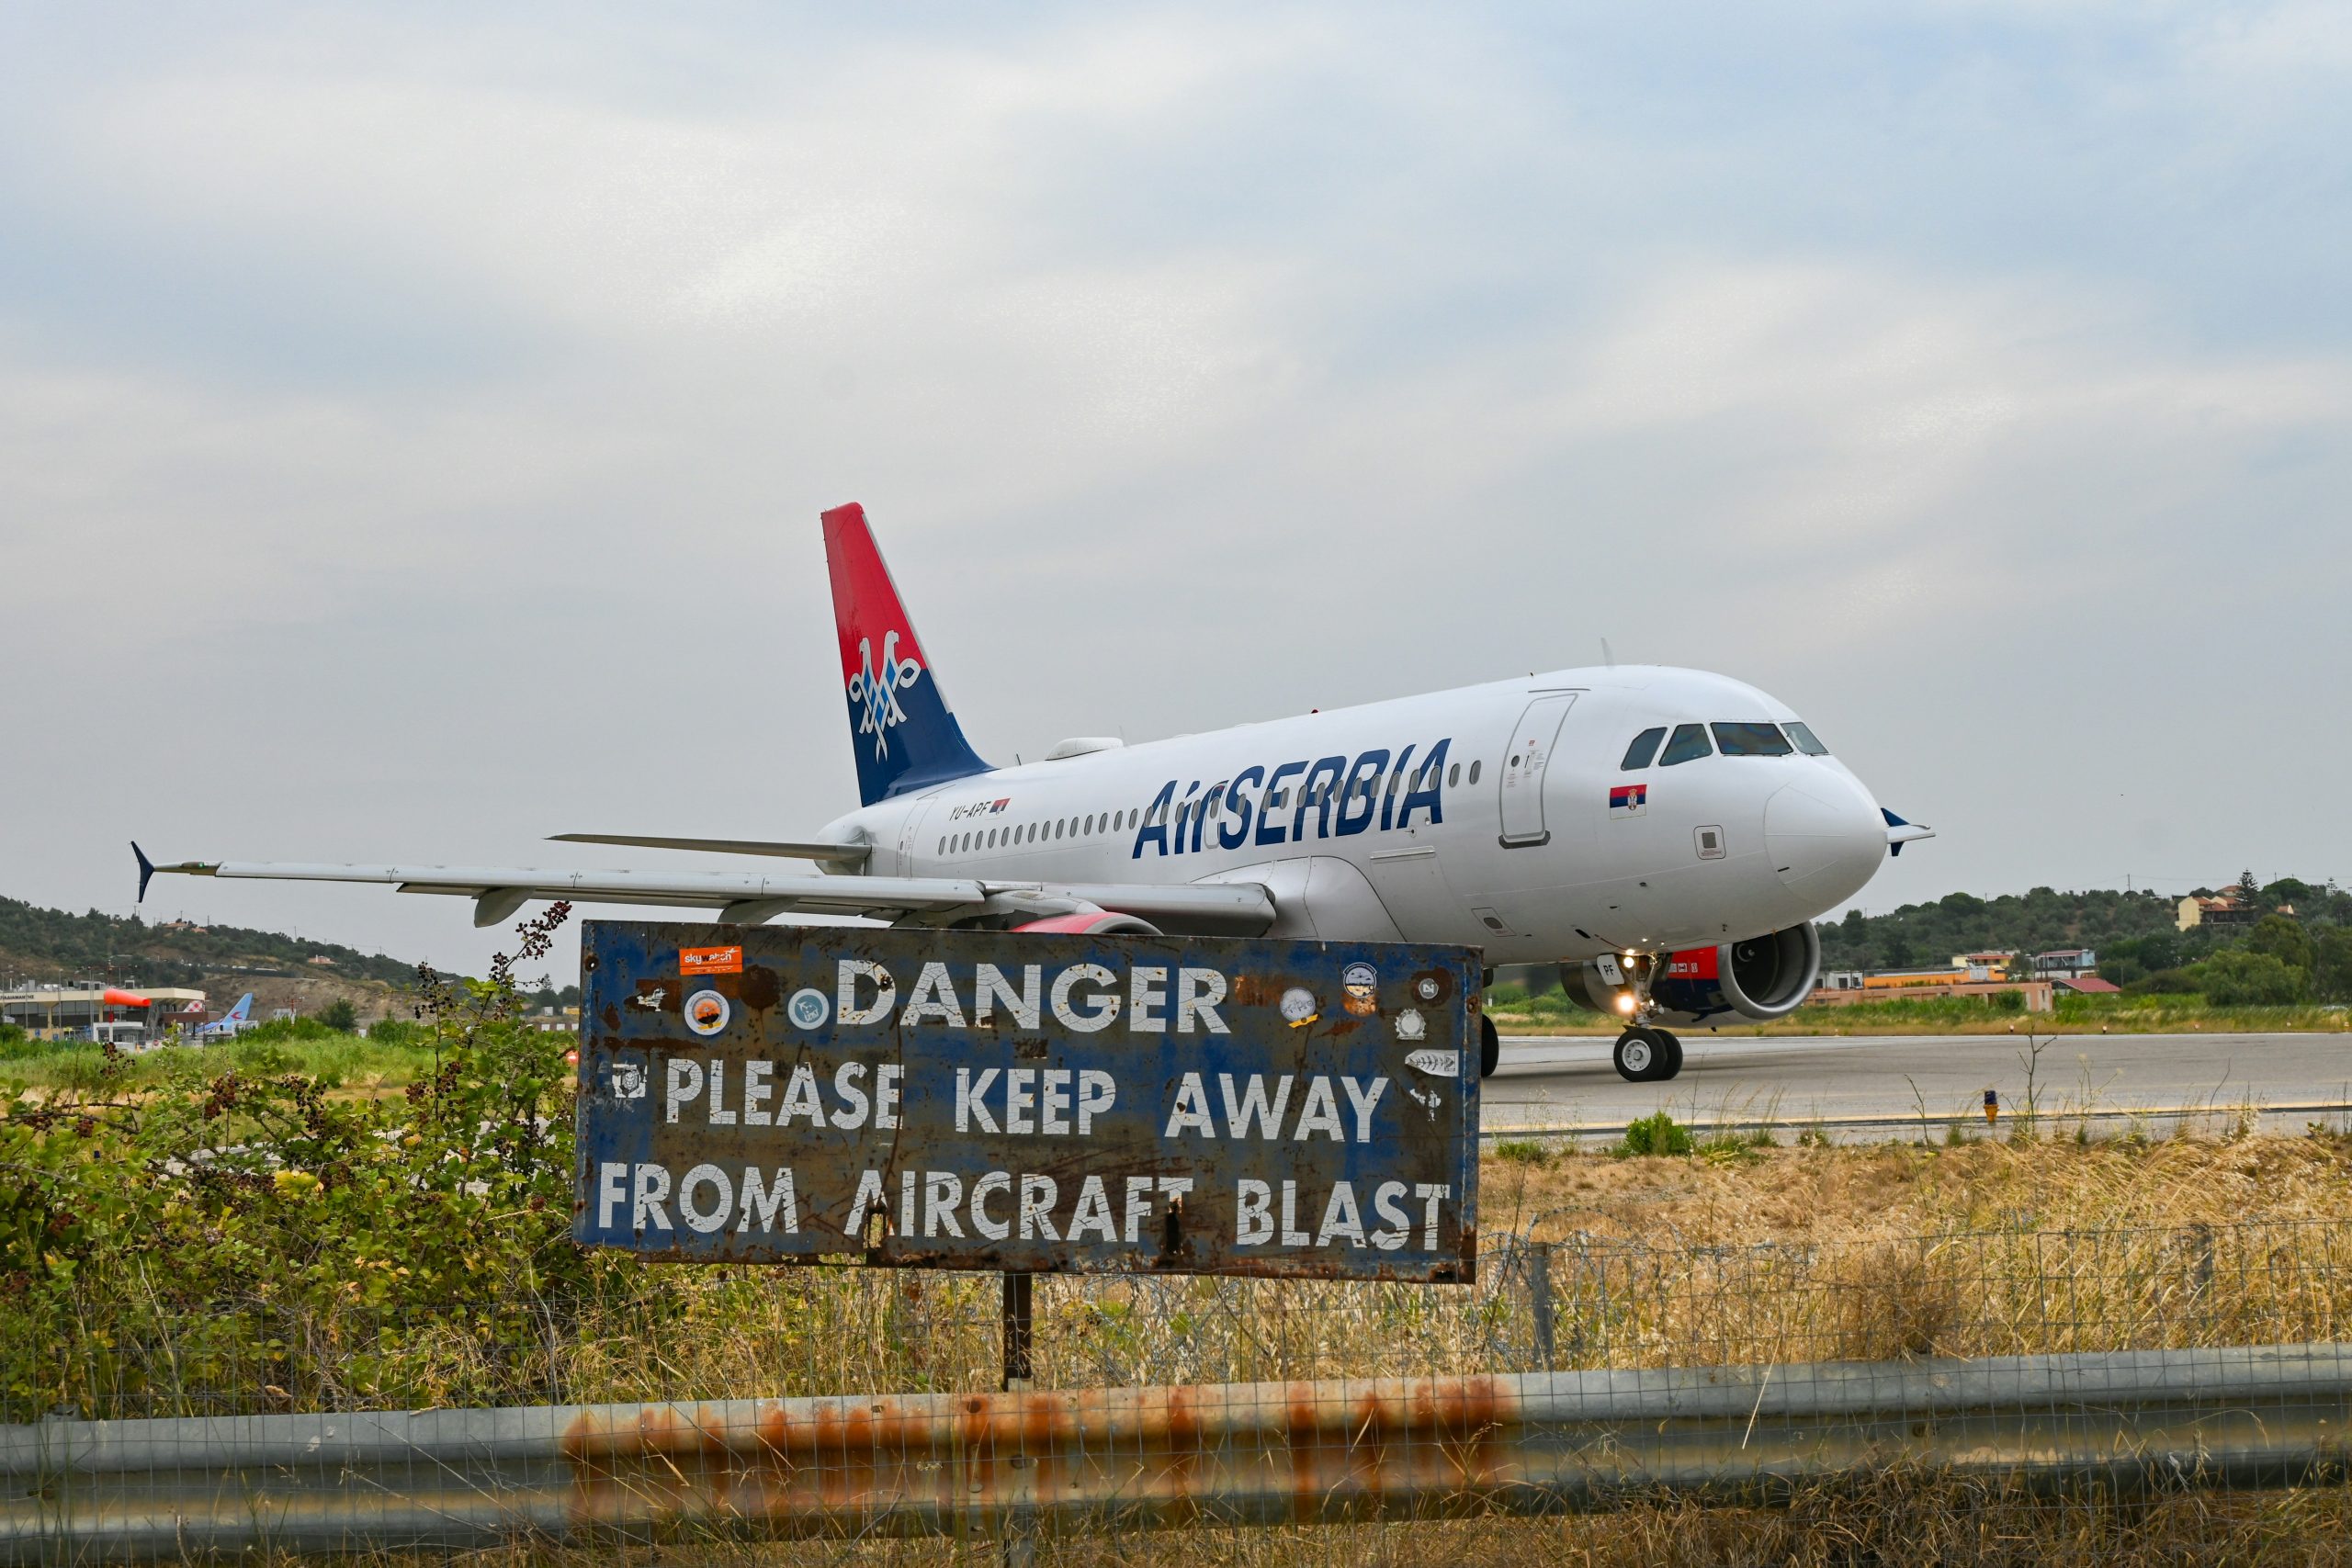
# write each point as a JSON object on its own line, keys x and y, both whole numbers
{"x": 2064, "y": 963}
{"x": 2088, "y": 986}
{"x": 2223, "y": 909}
{"x": 1991, "y": 965}
{"x": 554, "y": 1021}
{"x": 69, "y": 1012}
{"x": 1901, "y": 984}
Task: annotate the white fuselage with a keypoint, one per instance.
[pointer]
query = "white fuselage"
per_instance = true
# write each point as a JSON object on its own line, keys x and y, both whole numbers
{"x": 1514, "y": 846}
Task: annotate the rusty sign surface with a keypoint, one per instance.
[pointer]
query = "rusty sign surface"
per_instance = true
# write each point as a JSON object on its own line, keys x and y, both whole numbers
{"x": 1028, "y": 1101}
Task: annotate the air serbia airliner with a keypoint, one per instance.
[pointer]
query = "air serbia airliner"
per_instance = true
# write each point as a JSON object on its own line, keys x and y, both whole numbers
{"x": 1668, "y": 837}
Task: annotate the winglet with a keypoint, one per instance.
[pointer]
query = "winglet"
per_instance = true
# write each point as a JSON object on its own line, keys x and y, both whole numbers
{"x": 146, "y": 870}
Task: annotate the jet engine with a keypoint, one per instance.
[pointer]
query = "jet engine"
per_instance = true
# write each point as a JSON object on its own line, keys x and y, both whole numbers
{"x": 1764, "y": 977}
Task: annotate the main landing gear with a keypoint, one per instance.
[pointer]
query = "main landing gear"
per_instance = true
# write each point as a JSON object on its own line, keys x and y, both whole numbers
{"x": 1646, "y": 1053}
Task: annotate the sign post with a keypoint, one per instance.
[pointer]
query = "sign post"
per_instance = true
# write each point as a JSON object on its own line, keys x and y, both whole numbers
{"x": 1028, "y": 1102}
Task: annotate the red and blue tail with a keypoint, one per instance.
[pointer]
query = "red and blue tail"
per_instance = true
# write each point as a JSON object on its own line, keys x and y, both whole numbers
{"x": 906, "y": 736}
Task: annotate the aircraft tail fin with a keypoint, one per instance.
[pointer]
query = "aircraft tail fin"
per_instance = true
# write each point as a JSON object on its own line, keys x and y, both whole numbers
{"x": 243, "y": 1012}
{"x": 905, "y": 734}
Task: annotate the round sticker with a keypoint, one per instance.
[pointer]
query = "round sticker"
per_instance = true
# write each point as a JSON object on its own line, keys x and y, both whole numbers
{"x": 707, "y": 1013}
{"x": 1299, "y": 1007}
{"x": 808, "y": 1008}
{"x": 1358, "y": 991}
{"x": 1428, "y": 988}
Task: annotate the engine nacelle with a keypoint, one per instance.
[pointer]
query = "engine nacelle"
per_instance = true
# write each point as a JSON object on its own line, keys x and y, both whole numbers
{"x": 1764, "y": 977}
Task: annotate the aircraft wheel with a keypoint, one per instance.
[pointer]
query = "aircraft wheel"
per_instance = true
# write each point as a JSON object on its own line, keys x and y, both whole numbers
{"x": 1490, "y": 1046}
{"x": 1670, "y": 1063}
{"x": 1640, "y": 1054}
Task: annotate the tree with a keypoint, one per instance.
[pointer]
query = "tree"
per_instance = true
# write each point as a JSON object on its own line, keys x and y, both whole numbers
{"x": 2331, "y": 966}
{"x": 2241, "y": 978}
{"x": 340, "y": 1016}
{"x": 2289, "y": 890}
{"x": 2248, "y": 891}
{"x": 2283, "y": 938}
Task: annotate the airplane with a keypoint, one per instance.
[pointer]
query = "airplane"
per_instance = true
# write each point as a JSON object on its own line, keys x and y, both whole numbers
{"x": 1667, "y": 836}
{"x": 229, "y": 1024}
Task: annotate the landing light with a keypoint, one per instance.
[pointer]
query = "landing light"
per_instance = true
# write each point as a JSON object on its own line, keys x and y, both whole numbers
{"x": 1624, "y": 1004}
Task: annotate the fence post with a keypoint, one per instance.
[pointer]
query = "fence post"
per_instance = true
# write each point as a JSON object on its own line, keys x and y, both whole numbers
{"x": 1539, "y": 1291}
{"x": 1018, "y": 1543}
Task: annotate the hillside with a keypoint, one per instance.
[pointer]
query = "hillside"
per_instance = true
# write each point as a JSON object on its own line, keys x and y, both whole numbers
{"x": 40, "y": 946}
{"x": 50, "y": 944}
{"x": 2134, "y": 933}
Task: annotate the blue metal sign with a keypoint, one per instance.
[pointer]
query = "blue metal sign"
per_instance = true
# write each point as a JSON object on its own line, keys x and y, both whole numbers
{"x": 1028, "y": 1101}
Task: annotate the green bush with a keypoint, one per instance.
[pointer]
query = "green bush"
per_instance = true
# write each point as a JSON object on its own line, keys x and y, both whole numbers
{"x": 154, "y": 1215}
{"x": 2006, "y": 1002}
{"x": 1523, "y": 1151}
{"x": 340, "y": 1016}
{"x": 2239, "y": 978}
{"x": 1657, "y": 1133}
{"x": 16, "y": 1046}
{"x": 397, "y": 1031}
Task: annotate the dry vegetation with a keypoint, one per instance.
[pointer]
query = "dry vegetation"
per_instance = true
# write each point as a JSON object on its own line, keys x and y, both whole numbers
{"x": 1733, "y": 1193}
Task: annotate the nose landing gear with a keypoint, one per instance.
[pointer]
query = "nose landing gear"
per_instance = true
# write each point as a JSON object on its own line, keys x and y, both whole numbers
{"x": 1647, "y": 1055}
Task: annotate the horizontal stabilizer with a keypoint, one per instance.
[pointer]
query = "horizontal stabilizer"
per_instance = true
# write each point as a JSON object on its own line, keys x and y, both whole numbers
{"x": 1900, "y": 832}
{"x": 782, "y": 849}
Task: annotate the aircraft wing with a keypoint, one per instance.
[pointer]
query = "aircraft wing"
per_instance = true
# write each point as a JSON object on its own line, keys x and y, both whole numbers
{"x": 750, "y": 899}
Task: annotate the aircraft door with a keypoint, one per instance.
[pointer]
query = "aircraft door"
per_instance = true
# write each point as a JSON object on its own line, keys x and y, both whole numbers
{"x": 1522, "y": 780}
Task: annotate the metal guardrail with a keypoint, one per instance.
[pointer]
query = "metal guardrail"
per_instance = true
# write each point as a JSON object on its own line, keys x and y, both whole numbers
{"x": 75, "y": 1491}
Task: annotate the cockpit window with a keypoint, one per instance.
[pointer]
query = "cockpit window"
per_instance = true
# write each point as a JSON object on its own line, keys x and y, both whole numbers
{"x": 1751, "y": 740}
{"x": 1644, "y": 747}
{"x": 1804, "y": 739}
{"x": 1687, "y": 743}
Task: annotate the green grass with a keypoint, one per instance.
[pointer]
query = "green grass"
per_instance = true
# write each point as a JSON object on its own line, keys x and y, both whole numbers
{"x": 337, "y": 1061}
{"x": 1550, "y": 1013}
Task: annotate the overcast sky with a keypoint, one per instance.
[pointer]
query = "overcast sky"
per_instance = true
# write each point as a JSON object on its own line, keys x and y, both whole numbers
{"x": 414, "y": 422}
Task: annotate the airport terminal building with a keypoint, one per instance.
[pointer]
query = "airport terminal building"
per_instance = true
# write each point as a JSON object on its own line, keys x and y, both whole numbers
{"x": 68, "y": 1013}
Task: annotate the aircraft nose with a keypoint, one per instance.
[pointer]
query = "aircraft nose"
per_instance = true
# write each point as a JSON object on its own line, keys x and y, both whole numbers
{"x": 1826, "y": 837}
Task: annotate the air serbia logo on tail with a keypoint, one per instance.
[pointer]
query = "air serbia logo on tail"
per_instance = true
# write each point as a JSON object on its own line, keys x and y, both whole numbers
{"x": 878, "y": 697}
{"x": 915, "y": 740}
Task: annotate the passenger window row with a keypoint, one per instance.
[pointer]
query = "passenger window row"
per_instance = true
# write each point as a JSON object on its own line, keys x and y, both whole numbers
{"x": 1689, "y": 743}
{"x": 1035, "y": 832}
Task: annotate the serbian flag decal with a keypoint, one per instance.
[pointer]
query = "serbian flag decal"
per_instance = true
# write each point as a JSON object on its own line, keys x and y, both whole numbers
{"x": 1628, "y": 800}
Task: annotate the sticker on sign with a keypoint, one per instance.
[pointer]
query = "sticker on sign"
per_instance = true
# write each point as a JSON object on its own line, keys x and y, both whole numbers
{"x": 971, "y": 1100}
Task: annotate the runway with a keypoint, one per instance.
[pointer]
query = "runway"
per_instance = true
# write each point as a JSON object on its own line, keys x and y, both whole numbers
{"x": 1863, "y": 1088}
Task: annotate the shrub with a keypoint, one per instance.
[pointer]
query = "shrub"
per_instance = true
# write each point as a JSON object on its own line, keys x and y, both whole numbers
{"x": 397, "y": 1031}
{"x": 340, "y": 1016}
{"x": 2006, "y": 1002}
{"x": 2253, "y": 979}
{"x": 1657, "y": 1133}
{"x": 134, "y": 1217}
{"x": 1523, "y": 1151}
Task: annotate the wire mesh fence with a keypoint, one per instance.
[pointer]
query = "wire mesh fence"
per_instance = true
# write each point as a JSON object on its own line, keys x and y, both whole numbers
{"x": 1700, "y": 1394}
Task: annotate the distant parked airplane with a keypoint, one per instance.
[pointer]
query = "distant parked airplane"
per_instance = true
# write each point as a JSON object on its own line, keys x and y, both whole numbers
{"x": 236, "y": 1020}
{"x": 1668, "y": 836}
